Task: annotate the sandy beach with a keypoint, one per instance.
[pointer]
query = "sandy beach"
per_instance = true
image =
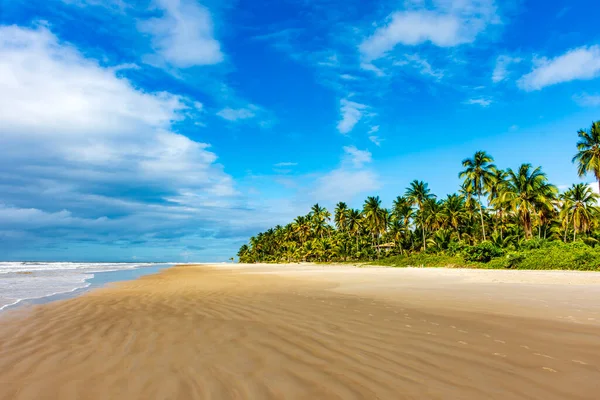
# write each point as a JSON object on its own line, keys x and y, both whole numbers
{"x": 311, "y": 332}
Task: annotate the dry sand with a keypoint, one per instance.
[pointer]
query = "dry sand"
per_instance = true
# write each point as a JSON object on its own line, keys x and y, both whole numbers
{"x": 311, "y": 332}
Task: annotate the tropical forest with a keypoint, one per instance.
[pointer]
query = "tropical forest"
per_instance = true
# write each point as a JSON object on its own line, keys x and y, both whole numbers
{"x": 498, "y": 218}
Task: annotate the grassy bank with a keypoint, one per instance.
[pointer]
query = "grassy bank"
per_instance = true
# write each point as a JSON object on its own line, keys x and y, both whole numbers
{"x": 542, "y": 256}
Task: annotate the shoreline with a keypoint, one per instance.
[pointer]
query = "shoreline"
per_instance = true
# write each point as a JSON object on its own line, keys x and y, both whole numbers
{"x": 309, "y": 331}
{"x": 96, "y": 279}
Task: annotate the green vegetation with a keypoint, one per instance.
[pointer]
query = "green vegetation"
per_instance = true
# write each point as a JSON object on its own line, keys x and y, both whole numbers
{"x": 500, "y": 218}
{"x": 534, "y": 254}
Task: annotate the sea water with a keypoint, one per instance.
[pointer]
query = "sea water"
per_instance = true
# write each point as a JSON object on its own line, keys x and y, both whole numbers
{"x": 35, "y": 282}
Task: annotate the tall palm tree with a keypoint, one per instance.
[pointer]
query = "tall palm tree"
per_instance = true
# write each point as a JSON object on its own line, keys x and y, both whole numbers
{"x": 494, "y": 188}
{"x": 402, "y": 210}
{"x": 434, "y": 217}
{"x": 527, "y": 190}
{"x": 418, "y": 193}
{"x": 355, "y": 223}
{"x": 341, "y": 217}
{"x": 582, "y": 205}
{"x": 588, "y": 154}
{"x": 244, "y": 253}
{"x": 375, "y": 217}
{"x": 454, "y": 212}
{"x": 301, "y": 227}
{"x": 319, "y": 218}
{"x": 478, "y": 172}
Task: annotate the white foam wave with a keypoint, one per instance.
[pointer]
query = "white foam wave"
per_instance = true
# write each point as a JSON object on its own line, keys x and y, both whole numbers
{"x": 33, "y": 280}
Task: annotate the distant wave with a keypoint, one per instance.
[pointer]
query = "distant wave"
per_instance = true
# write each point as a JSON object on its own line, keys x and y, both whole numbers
{"x": 24, "y": 280}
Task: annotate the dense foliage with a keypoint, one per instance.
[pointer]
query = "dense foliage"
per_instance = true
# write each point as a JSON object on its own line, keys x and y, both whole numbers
{"x": 501, "y": 218}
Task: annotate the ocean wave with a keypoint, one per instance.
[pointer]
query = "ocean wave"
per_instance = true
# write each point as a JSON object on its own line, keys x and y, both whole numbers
{"x": 21, "y": 281}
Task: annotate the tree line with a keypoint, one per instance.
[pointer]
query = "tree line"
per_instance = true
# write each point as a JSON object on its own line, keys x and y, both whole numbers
{"x": 504, "y": 208}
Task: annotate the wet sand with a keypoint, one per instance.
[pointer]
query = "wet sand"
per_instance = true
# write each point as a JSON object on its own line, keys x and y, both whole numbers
{"x": 311, "y": 332}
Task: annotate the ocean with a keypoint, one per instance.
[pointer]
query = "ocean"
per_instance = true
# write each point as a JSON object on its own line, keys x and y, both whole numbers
{"x": 38, "y": 282}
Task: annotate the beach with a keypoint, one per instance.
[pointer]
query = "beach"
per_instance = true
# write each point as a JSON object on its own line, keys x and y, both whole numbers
{"x": 235, "y": 331}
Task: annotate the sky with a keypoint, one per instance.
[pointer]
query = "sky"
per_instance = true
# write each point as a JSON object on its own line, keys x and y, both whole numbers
{"x": 173, "y": 130}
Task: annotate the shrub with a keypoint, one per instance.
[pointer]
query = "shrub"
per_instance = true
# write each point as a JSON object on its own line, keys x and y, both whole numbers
{"x": 483, "y": 252}
{"x": 513, "y": 260}
{"x": 533, "y": 244}
{"x": 423, "y": 260}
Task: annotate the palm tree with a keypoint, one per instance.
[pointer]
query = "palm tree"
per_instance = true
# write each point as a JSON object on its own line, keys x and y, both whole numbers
{"x": 527, "y": 190}
{"x": 319, "y": 217}
{"x": 243, "y": 253}
{"x": 418, "y": 193}
{"x": 454, "y": 212}
{"x": 581, "y": 204}
{"x": 478, "y": 172}
{"x": 301, "y": 227}
{"x": 402, "y": 210}
{"x": 588, "y": 155}
{"x": 494, "y": 188}
{"x": 355, "y": 223}
{"x": 434, "y": 217}
{"x": 341, "y": 217}
{"x": 375, "y": 217}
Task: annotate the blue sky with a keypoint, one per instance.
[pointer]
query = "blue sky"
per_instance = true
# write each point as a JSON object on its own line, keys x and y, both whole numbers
{"x": 175, "y": 129}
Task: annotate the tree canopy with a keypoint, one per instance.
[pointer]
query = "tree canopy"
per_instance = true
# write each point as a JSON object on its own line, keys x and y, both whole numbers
{"x": 503, "y": 208}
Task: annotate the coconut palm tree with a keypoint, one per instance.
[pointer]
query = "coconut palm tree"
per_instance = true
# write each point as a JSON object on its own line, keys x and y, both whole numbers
{"x": 478, "y": 173}
{"x": 243, "y": 253}
{"x": 301, "y": 227}
{"x": 494, "y": 188}
{"x": 355, "y": 223}
{"x": 375, "y": 217}
{"x": 319, "y": 217}
{"x": 526, "y": 191}
{"x": 402, "y": 210}
{"x": 588, "y": 151}
{"x": 341, "y": 217}
{"x": 418, "y": 193}
{"x": 454, "y": 212}
{"x": 434, "y": 217}
{"x": 581, "y": 204}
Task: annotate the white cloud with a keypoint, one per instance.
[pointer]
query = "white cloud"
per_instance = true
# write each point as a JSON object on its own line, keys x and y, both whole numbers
{"x": 330, "y": 61}
{"x": 350, "y": 179}
{"x": 49, "y": 87}
{"x": 587, "y": 100}
{"x": 77, "y": 137}
{"x": 480, "y": 101}
{"x": 183, "y": 36}
{"x": 582, "y": 63}
{"x": 501, "y": 72}
{"x": 446, "y": 24}
{"x": 233, "y": 114}
{"x": 348, "y": 77}
{"x": 376, "y": 140}
{"x": 355, "y": 157}
{"x": 368, "y": 66}
{"x": 344, "y": 185}
{"x": 421, "y": 64}
{"x": 286, "y": 164}
{"x": 351, "y": 112}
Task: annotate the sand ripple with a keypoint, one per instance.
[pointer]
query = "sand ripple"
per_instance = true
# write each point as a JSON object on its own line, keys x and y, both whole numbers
{"x": 204, "y": 333}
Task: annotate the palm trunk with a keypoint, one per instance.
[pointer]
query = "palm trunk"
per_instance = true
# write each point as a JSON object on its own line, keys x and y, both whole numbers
{"x": 481, "y": 213}
{"x": 423, "y": 230}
